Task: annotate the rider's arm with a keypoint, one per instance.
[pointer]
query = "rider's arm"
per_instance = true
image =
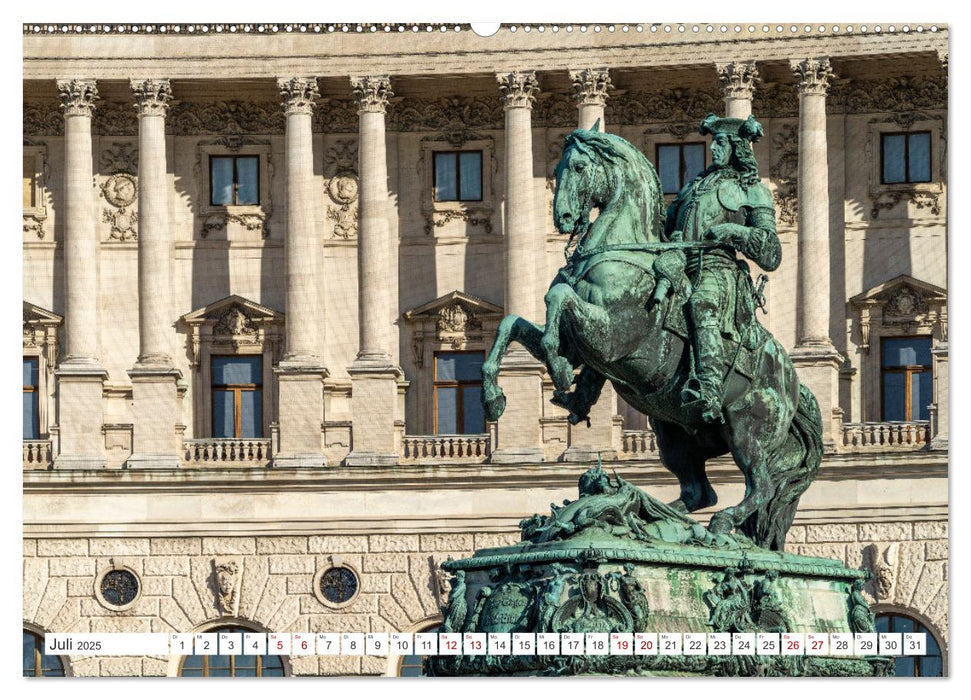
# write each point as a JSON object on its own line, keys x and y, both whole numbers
{"x": 756, "y": 239}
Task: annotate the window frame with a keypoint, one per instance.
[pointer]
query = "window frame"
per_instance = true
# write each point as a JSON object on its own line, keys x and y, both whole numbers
{"x": 907, "y": 371}
{"x": 456, "y": 218}
{"x": 247, "y": 221}
{"x": 237, "y": 396}
{"x": 682, "y": 165}
{"x": 235, "y": 158}
{"x": 233, "y": 627}
{"x": 880, "y": 611}
{"x": 907, "y": 134}
{"x": 458, "y": 174}
{"x": 39, "y": 655}
{"x": 458, "y": 384}
{"x": 899, "y": 200}
{"x": 34, "y": 389}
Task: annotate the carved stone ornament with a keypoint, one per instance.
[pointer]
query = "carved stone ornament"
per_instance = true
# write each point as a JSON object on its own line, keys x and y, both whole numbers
{"x": 776, "y": 100}
{"x": 228, "y": 578}
{"x": 886, "y": 201}
{"x": 883, "y": 564}
{"x": 373, "y": 92}
{"x": 738, "y": 79}
{"x": 43, "y": 119}
{"x": 152, "y": 97}
{"x": 446, "y": 114}
{"x": 518, "y": 89}
{"x": 78, "y": 97}
{"x": 784, "y": 171}
{"x": 34, "y": 225}
{"x": 343, "y": 190}
{"x": 234, "y": 321}
{"x": 337, "y": 116}
{"x": 251, "y": 222}
{"x": 812, "y": 75}
{"x": 664, "y": 105}
{"x": 555, "y": 109}
{"x": 120, "y": 157}
{"x": 897, "y": 94}
{"x": 299, "y": 94}
{"x": 115, "y": 119}
{"x": 590, "y": 86}
{"x": 454, "y": 318}
{"x": 120, "y": 190}
{"x": 341, "y": 158}
{"x": 123, "y": 222}
{"x": 438, "y": 219}
{"x": 225, "y": 117}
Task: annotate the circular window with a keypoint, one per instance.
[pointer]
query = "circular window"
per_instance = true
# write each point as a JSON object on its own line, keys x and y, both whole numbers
{"x": 118, "y": 588}
{"x": 338, "y": 585}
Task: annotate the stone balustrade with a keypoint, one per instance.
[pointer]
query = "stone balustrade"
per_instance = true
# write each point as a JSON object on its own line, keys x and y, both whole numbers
{"x": 909, "y": 435}
{"x": 37, "y": 454}
{"x": 432, "y": 449}
{"x": 636, "y": 444}
{"x": 226, "y": 452}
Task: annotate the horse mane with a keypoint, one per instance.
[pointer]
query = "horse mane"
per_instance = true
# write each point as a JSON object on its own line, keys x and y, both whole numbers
{"x": 639, "y": 174}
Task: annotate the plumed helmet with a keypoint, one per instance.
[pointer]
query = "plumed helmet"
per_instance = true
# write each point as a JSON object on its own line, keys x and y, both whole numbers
{"x": 747, "y": 129}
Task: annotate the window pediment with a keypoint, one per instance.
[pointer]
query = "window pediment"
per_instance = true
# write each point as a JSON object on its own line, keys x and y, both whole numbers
{"x": 454, "y": 320}
{"x": 233, "y": 322}
{"x": 904, "y": 305}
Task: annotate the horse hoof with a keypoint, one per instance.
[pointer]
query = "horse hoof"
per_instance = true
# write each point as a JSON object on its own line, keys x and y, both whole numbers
{"x": 679, "y": 506}
{"x": 720, "y": 524}
{"x": 495, "y": 407}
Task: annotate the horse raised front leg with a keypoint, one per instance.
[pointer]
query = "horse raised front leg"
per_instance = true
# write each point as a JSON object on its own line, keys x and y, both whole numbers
{"x": 590, "y": 323}
{"x": 560, "y": 368}
{"x": 511, "y": 329}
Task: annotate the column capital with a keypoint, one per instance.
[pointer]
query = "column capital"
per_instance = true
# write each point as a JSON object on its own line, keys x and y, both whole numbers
{"x": 518, "y": 88}
{"x": 373, "y": 92}
{"x": 738, "y": 78}
{"x": 152, "y": 97}
{"x": 590, "y": 86}
{"x": 299, "y": 94}
{"x": 812, "y": 75}
{"x": 77, "y": 97}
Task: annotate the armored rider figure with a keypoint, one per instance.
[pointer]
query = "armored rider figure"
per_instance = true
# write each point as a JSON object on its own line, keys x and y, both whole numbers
{"x": 727, "y": 209}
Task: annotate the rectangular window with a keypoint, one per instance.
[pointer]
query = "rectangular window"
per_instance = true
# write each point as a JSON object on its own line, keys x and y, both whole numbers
{"x": 234, "y": 180}
{"x": 31, "y": 406}
{"x": 458, "y": 176}
{"x": 905, "y": 158}
{"x": 30, "y": 181}
{"x": 458, "y": 393}
{"x": 237, "y": 397}
{"x": 678, "y": 163}
{"x": 906, "y": 378}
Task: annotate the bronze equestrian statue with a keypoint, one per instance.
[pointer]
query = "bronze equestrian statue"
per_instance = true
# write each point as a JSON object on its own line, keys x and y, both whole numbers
{"x": 664, "y": 309}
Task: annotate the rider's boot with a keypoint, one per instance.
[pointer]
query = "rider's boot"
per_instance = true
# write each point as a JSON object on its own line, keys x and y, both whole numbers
{"x": 705, "y": 387}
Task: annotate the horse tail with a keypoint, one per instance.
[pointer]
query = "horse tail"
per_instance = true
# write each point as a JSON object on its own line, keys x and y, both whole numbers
{"x": 792, "y": 469}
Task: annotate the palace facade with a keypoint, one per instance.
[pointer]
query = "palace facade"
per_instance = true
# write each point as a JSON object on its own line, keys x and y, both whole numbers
{"x": 263, "y": 263}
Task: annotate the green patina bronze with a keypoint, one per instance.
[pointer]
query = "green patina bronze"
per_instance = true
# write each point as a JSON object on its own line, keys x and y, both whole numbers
{"x": 664, "y": 308}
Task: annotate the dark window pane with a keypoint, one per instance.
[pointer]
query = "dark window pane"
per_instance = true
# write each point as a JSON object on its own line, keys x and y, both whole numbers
{"x": 30, "y": 645}
{"x": 31, "y": 427}
{"x": 930, "y": 666}
{"x": 668, "y": 168}
{"x": 903, "y": 666}
{"x": 445, "y": 177}
{"x": 919, "y": 157}
{"x": 694, "y": 161}
{"x": 447, "y": 411}
{"x": 903, "y": 624}
{"x": 222, "y": 180}
{"x": 462, "y": 367}
{"x": 920, "y": 395}
{"x": 882, "y": 623}
{"x": 470, "y": 165}
{"x": 248, "y": 180}
{"x": 191, "y": 672}
{"x": 473, "y": 419}
{"x": 251, "y": 410}
{"x": 237, "y": 370}
{"x": 223, "y": 414}
{"x": 898, "y": 352}
{"x": 894, "y": 401}
{"x": 893, "y": 158}
{"x": 932, "y": 647}
{"x": 30, "y": 371}
{"x": 272, "y": 672}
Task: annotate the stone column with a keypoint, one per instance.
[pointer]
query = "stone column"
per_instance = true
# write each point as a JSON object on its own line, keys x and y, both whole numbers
{"x": 519, "y": 433}
{"x": 156, "y": 405}
{"x": 814, "y": 356}
{"x": 300, "y": 374}
{"x": 738, "y": 82}
{"x": 590, "y": 87}
{"x": 374, "y": 374}
{"x": 80, "y": 376}
{"x": 585, "y": 443}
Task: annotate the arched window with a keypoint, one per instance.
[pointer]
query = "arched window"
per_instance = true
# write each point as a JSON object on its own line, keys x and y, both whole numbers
{"x": 410, "y": 666}
{"x": 226, "y": 666}
{"x": 930, "y": 665}
{"x": 36, "y": 662}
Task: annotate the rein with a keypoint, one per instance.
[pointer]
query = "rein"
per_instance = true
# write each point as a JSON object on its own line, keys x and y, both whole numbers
{"x": 658, "y": 247}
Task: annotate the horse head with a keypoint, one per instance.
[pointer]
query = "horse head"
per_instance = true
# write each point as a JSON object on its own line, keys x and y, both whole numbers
{"x": 603, "y": 171}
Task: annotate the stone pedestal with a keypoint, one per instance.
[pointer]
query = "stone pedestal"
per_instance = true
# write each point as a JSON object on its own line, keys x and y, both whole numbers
{"x": 519, "y": 432}
{"x": 374, "y": 412}
{"x": 587, "y": 444}
{"x": 80, "y": 416}
{"x": 157, "y": 410}
{"x": 818, "y": 368}
{"x": 301, "y": 415}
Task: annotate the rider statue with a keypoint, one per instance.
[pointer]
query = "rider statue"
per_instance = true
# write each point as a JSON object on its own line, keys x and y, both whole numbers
{"x": 727, "y": 209}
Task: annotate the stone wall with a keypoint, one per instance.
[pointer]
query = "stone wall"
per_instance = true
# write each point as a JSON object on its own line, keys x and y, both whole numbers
{"x": 399, "y": 590}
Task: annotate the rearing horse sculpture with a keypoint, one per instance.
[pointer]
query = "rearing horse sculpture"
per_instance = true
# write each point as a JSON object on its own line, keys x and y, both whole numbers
{"x": 617, "y": 312}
